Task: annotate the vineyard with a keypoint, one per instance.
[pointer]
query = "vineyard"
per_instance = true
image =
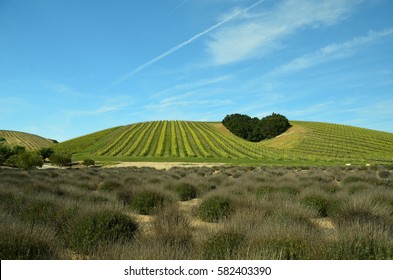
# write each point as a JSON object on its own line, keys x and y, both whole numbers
{"x": 203, "y": 140}
{"x": 27, "y": 140}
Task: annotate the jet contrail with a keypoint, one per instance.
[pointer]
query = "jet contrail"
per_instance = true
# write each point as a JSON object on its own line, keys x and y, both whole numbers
{"x": 185, "y": 43}
{"x": 173, "y": 11}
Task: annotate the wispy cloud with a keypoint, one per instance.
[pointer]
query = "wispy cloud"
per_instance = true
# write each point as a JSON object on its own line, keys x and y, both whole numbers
{"x": 191, "y": 100}
{"x": 61, "y": 88}
{"x": 254, "y": 35}
{"x": 331, "y": 52}
{"x": 224, "y": 20}
{"x": 192, "y": 85}
{"x": 12, "y": 104}
{"x": 96, "y": 111}
{"x": 173, "y": 11}
{"x": 167, "y": 15}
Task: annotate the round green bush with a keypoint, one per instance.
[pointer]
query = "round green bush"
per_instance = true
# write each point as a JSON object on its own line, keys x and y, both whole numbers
{"x": 18, "y": 246}
{"x": 223, "y": 245}
{"x": 214, "y": 208}
{"x": 61, "y": 159}
{"x": 88, "y": 162}
{"x": 100, "y": 228}
{"x": 186, "y": 191}
{"x": 146, "y": 201}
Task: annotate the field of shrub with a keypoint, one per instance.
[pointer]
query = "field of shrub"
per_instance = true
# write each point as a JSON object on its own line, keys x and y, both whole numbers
{"x": 197, "y": 213}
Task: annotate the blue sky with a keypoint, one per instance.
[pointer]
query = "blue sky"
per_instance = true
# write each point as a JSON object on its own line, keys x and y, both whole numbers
{"x": 69, "y": 68}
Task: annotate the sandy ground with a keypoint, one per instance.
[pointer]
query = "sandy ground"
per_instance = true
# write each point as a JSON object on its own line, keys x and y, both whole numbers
{"x": 163, "y": 165}
{"x": 156, "y": 165}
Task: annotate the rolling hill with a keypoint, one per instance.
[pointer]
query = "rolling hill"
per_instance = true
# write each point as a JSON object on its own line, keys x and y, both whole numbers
{"x": 304, "y": 141}
{"x": 27, "y": 140}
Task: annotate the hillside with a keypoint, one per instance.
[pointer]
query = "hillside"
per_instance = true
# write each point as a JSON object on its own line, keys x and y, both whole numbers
{"x": 27, "y": 140}
{"x": 198, "y": 140}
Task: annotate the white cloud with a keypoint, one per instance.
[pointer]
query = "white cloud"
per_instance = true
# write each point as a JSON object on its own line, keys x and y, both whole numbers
{"x": 222, "y": 21}
{"x": 253, "y": 35}
{"x": 330, "y": 52}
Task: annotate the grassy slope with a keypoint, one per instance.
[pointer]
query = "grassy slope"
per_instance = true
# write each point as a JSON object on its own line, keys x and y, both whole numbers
{"x": 202, "y": 141}
{"x": 335, "y": 141}
{"x": 30, "y": 141}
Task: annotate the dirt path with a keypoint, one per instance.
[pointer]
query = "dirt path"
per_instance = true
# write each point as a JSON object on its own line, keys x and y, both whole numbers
{"x": 163, "y": 165}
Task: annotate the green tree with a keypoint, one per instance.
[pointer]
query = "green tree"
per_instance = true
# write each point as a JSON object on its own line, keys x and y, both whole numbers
{"x": 61, "y": 159}
{"x": 238, "y": 124}
{"x": 25, "y": 160}
{"x": 274, "y": 125}
{"x": 18, "y": 150}
{"x": 5, "y": 153}
{"x": 254, "y": 129}
{"x": 46, "y": 152}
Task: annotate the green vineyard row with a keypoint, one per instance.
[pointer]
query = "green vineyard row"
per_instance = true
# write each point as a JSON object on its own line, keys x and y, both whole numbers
{"x": 184, "y": 139}
{"x": 180, "y": 139}
{"x": 27, "y": 140}
{"x": 347, "y": 142}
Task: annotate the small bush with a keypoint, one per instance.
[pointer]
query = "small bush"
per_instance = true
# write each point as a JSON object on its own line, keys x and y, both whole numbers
{"x": 125, "y": 196}
{"x": 287, "y": 248}
{"x": 40, "y": 211}
{"x": 289, "y": 190}
{"x": 97, "y": 199}
{"x": 386, "y": 183}
{"x": 384, "y": 174}
{"x": 214, "y": 208}
{"x": 330, "y": 189}
{"x": 319, "y": 203}
{"x": 18, "y": 246}
{"x": 61, "y": 159}
{"x": 88, "y": 187}
{"x": 186, "y": 191}
{"x": 145, "y": 202}
{"x": 100, "y": 228}
{"x": 353, "y": 189}
{"x": 360, "y": 248}
{"x": 88, "y": 162}
{"x": 263, "y": 191}
{"x": 172, "y": 228}
{"x": 12, "y": 203}
{"x": 223, "y": 245}
{"x": 110, "y": 186}
{"x": 353, "y": 179}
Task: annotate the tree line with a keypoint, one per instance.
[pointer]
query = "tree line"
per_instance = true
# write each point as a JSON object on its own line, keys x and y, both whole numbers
{"x": 255, "y": 129}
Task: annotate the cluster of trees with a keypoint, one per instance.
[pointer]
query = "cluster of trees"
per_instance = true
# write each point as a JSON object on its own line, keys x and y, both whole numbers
{"x": 254, "y": 129}
{"x": 18, "y": 156}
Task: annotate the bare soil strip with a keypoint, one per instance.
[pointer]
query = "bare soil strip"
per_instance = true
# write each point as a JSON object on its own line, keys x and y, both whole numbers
{"x": 163, "y": 165}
